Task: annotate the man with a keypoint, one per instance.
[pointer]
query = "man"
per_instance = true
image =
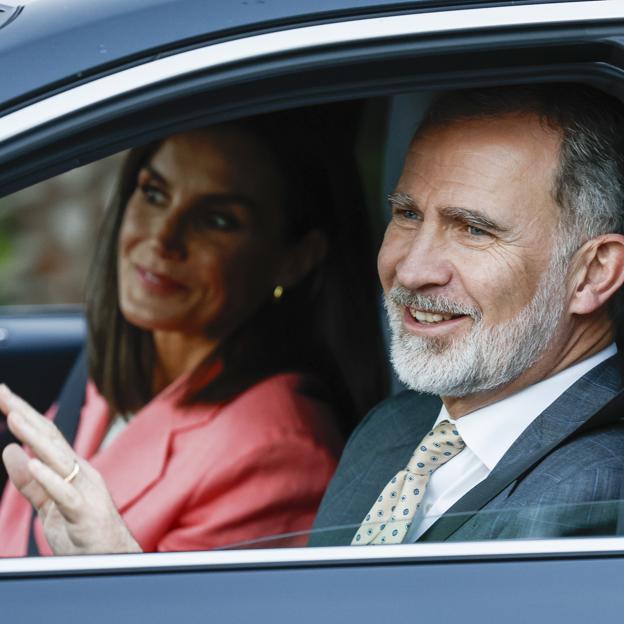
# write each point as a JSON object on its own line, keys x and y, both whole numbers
{"x": 501, "y": 269}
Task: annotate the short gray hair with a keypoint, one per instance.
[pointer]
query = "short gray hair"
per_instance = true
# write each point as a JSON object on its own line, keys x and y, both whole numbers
{"x": 589, "y": 183}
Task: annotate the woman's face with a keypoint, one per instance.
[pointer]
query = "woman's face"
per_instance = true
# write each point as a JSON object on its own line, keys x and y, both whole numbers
{"x": 200, "y": 246}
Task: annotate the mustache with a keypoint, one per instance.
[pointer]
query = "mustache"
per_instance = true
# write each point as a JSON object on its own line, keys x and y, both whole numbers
{"x": 401, "y": 296}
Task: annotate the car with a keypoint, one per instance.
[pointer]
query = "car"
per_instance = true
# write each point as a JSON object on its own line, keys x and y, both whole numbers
{"x": 86, "y": 81}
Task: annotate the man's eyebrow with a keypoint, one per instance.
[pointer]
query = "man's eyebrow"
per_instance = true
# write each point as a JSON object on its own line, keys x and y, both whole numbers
{"x": 402, "y": 199}
{"x": 474, "y": 218}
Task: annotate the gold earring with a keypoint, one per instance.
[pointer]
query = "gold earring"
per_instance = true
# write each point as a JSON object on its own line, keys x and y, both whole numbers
{"x": 278, "y": 291}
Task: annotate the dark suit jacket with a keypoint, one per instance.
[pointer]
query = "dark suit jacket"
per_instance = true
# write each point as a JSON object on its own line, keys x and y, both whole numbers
{"x": 570, "y": 455}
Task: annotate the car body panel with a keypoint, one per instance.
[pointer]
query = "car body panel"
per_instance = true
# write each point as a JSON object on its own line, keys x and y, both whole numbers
{"x": 327, "y": 56}
{"x": 517, "y": 582}
{"x": 80, "y": 38}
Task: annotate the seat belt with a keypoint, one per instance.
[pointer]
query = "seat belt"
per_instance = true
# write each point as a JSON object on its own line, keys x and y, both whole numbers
{"x": 71, "y": 400}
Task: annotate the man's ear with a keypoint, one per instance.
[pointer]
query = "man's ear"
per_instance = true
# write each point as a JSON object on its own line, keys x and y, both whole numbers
{"x": 598, "y": 273}
{"x": 302, "y": 257}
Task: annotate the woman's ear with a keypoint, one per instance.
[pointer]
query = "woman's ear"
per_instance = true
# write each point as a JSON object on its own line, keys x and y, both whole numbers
{"x": 598, "y": 273}
{"x": 302, "y": 257}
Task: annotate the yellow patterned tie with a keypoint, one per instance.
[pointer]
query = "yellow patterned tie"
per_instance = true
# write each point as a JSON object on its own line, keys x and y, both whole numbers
{"x": 390, "y": 517}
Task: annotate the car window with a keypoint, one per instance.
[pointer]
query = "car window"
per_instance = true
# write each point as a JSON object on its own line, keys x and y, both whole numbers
{"x": 47, "y": 232}
{"x": 178, "y": 233}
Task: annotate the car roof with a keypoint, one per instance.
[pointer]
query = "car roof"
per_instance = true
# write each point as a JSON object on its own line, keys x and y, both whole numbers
{"x": 51, "y": 43}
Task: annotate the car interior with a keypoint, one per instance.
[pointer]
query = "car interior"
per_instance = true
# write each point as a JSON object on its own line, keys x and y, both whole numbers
{"x": 46, "y": 258}
{"x": 42, "y": 326}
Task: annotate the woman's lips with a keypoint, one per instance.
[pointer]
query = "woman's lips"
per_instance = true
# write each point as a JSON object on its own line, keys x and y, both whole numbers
{"x": 157, "y": 282}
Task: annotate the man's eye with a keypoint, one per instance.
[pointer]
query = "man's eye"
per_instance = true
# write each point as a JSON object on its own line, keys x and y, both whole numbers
{"x": 473, "y": 230}
{"x": 405, "y": 213}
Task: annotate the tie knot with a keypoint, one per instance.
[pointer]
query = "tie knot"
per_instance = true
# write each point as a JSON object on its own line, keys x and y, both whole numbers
{"x": 442, "y": 443}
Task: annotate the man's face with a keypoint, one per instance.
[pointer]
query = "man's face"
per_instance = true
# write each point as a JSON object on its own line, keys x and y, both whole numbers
{"x": 472, "y": 295}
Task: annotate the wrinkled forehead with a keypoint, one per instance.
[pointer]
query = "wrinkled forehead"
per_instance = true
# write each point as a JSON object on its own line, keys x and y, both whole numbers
{"x": 501, "y": 164}
{"x": 518, "y": 132}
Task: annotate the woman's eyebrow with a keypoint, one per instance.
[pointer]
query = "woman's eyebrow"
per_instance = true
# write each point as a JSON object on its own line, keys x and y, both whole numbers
{"x": 474, "y": 218}
{"x": 210, "y": 198}
{"x": 155, "y": 173}
{"x": 231, "y": 198}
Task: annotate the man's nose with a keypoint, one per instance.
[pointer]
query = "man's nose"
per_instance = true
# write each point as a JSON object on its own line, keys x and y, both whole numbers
{"x": 169, "y": 235}
{"x": 425, "y": 263}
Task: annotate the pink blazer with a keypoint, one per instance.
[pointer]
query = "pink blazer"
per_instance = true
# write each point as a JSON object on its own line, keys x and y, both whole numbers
{"x": 203, "y": 476}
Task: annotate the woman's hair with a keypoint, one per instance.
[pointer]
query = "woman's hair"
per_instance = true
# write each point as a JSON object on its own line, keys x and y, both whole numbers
{"x": 327, "y": 324}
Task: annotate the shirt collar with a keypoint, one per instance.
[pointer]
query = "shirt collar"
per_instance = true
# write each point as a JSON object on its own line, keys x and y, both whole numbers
{"x": 490, "y": 431}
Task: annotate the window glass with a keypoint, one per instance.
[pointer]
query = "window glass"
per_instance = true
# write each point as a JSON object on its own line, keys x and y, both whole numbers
{"x": 214, "y": 248}
{"x": 257, "y": 240}
{"x": 47, "y": 233}
{"x": 530, "y": 521}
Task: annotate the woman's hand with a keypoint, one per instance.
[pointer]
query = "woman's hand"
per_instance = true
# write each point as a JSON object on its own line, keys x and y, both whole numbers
{"x": 78, "y": 514}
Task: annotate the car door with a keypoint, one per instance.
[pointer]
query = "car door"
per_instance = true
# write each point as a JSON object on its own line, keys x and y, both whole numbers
{"x": 371, "y": 53}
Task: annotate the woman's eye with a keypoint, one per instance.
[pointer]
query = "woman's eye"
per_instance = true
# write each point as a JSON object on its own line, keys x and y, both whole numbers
{"x": 213, "y": 220}
{"x": 152, "y": 194}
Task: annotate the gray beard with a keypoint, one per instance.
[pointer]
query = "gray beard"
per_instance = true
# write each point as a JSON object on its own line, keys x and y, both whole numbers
{"x": 484, "y": 359}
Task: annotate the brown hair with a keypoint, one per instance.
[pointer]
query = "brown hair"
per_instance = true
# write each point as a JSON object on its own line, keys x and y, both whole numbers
{"x": 335, "y": 304}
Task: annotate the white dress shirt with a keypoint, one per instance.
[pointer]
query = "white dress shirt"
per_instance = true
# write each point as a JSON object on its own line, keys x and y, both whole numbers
{"x": 488, "y": 433}
{"x": 118, "y": 424}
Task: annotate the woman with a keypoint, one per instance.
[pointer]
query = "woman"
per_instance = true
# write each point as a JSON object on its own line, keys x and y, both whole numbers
{"x": 222, "y": 306}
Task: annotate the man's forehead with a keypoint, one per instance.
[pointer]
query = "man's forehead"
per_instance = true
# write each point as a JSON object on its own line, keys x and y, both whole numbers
{"x": 521, "y": 130}
{"x": 496, "y": 163}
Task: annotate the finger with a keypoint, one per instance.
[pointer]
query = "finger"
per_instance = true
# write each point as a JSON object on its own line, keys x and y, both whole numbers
{"x": 13, "y": 403}
{"x": 64, "y": 495}
{"x": 5, "y": 395}
{"x": 44, "y": 439}
{"x": 16, "y": 462}
{"x": 10, "y": 401}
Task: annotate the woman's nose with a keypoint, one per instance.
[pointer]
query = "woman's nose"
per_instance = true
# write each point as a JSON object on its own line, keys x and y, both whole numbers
{"x": 425, "y": 264}
{"x": 169, "y": 236}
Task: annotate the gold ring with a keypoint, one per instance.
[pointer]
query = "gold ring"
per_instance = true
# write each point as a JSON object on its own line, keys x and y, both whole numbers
{"x": 72, "y": 475}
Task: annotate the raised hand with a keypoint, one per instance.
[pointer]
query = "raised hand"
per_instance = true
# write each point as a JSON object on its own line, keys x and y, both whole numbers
{"x": 70, "y": 496}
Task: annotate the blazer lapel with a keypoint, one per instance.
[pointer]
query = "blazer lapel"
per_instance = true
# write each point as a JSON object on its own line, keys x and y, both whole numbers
{"x": 137, "y": 458}
{"x": 592, "y": 401}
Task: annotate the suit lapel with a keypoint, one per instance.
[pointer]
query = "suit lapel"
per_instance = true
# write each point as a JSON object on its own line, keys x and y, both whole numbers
{"x": 376, "y": 452}
{"x": 592, "y": 401}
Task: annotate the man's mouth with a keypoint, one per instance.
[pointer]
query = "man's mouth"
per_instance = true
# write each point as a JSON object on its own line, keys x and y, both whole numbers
{"x": 423, "y": 316}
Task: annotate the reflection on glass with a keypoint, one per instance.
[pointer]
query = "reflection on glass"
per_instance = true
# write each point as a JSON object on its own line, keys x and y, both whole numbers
{"x": 578, "y": 520}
